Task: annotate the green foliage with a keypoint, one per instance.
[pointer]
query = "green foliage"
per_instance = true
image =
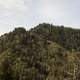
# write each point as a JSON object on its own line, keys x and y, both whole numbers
{"x": 46, "y": 52}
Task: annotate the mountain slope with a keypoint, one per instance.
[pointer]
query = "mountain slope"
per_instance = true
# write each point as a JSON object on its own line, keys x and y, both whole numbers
{"x": 46, "y": 52}
{"x": 66, "y": 37}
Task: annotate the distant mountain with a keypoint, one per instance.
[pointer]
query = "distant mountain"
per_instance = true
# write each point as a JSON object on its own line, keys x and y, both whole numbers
{"x": 46, "y": 52}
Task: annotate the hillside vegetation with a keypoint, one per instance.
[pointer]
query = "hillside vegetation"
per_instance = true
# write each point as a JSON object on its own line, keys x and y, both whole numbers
{"x": 46, "y": 52}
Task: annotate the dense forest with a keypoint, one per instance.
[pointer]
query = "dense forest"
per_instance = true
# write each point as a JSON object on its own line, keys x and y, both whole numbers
{"x": 45, "y": 52}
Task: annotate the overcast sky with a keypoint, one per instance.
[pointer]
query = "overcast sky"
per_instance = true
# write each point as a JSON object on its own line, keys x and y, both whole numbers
{"x": 28, "y": 13}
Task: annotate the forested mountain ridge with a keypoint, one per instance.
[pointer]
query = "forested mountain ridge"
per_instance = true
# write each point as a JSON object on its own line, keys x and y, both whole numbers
{"x": 66, "y": 37}
{"x": 46, "y": 52}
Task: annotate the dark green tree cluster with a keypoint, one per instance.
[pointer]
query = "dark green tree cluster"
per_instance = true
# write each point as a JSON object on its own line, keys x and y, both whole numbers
{"x": 46, "y": 52}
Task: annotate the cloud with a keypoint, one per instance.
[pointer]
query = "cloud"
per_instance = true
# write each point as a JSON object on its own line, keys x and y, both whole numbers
{"x": 12, "y": 11}
{"x": 14, "y": 8}
{"x": 50, "y": 9}
{"x": 14, "y": 4}
{"x": 60, "y": 12}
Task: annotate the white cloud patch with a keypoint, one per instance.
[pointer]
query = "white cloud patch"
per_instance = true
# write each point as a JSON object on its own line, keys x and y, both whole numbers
{"x": 14, "y": 8}
{"x": 14, "y": 4}
{"x": 51, "y": 10}
{"x": 60, "y": 11}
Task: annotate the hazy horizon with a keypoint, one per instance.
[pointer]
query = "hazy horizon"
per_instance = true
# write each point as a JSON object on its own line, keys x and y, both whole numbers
{"x": 29, "y": 13}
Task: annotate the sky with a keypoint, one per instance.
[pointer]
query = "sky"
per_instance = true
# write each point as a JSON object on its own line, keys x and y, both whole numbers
{"x": 29, "y": 13}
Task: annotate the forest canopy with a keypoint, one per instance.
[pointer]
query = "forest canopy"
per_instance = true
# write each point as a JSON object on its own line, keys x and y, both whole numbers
{"x": 45, "y": 52}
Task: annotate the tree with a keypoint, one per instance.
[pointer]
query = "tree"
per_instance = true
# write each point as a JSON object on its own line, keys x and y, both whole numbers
{"x": 6, "y": 69}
